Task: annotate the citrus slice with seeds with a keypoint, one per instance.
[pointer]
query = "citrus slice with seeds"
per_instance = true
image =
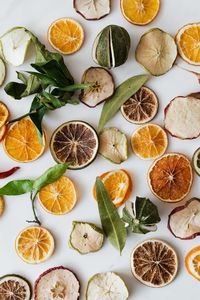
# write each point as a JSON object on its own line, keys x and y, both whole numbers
{"x": 66, "y": 35}
{"x": 154, "y": 263}
{"x": 140, "y": 12}
{"x": 4, "y": 114}
{"x": 196, "y": 161}
{"x": 22, "y": 143}
{"x": 14, "y": 287}
{"x": 149, "y": 141}
{"x": 188, "y": 42}
{"x": 74, "y": 142}
{"x": 59, "y": 197}
{"x": 118, "y": 185}
{"x": 192, "y": 262}
{"x": 141, "y": 108}
{"x": 34, "y": 244}
{"x": 170, "y": 177}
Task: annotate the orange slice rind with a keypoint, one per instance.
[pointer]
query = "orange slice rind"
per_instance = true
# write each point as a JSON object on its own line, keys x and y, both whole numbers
{"x": 192, "y": 262}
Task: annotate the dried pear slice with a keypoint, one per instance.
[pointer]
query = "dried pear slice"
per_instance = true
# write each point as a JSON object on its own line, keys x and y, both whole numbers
{"x": 103, "y": 86}
{"x": 156, "y": 51}
{"x": 113, "y": 145}
{"x": 86, "y": 237}
{"x": 92, "y": 9}
{"x": 2, "y": 72}
{"x": 154, "y": 263}
{"x": 141, "y": 108}
{"x": 106, "y": 286}
{"x": 196, "y": 161}
{"x": 14, "y": 287}
{"x": 74, "y": 142}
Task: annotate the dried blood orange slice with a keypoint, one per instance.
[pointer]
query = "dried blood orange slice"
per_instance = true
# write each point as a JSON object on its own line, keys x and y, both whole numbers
{"x": 75, "y": 142}
{"x": 14, "y": 287}
{"x": 192, "y": 262}
{"x": 170, "y": 177}
{"x": 154, "y": 263}
{"x": 141, "y": 107}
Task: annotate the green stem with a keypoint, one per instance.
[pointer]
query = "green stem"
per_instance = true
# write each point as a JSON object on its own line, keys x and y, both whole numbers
{"x": 75, "y": 87}
{"x": 25, "y": 115}
{"x": 36, "y": 220}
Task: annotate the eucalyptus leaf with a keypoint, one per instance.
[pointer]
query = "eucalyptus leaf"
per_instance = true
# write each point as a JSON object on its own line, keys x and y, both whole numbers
{"x": 112, "y": 224}
{"x": 17, "y": 187}
{"x": 122, "y": 93}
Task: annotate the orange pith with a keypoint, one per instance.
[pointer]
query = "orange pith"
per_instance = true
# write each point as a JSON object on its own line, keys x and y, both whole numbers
{"x": 118, "y": 184}
{"x": 34, "y": 244}
{"x": 66, "y": 35}
{"x": 22, "y": 143}
{"x": 192, "y": 262}
{"x": 140, "y": 12}
{"x": 58, "y": 197}
{"x": 149, "y": 141}
{"x": 4, "y": 114}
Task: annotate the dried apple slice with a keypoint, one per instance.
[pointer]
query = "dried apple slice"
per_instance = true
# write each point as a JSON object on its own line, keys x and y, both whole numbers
{"x": 103, "y": 86}
{"x": 92, "y": 9}
{"x": 184, "y": 221}
{"x": 156, "y": 51}
{"x": 182, "y": 117}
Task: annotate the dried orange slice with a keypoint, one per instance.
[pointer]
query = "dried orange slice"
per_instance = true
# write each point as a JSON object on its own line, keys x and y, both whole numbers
{"x": 4, "y": 114}
{"x": 118, "y": 184}
{"x": 66, "y": 35}
{"x": 22, "y": 143}
{"x": 149, "y": 141}
{"x": 192, "y": 262}
{"x": 154, "y": 263}
{"x": 170, "y": 177}
{"x": 141, "y": 107}
{"x": 2, "y": 132}
{"x": 140, "y": 12}
{"x": 188, "y": 43}
{"x": 59, "y": 197}
{"x": 34, "y": 244}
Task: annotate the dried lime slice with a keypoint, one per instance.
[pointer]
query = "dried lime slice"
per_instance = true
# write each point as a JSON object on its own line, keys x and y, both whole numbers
{"x": 106, "y": 286}
{"x": 113, "y": 145}
{"x": 14, "y": 287}
{"x": 14, "y": 44}
{"x": 74, "y": 142}
{"x": 2, "y": 71}
{"x": 196, "y": 161}
{"x": 86, "y": 237}
{"x": 156, "y": 51}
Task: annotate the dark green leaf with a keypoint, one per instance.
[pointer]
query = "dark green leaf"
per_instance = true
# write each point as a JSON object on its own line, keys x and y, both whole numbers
{"x": 112, "y": 224}
{"x": 44, "y": 78}
{"x": 38, "y": 112}
{"x": 50, "y": 101}
{"x": 76, "y": 87}
{"x": 50, "y": 176}
{"x": 17, "y": 187}
{"x": 21, "y": 76}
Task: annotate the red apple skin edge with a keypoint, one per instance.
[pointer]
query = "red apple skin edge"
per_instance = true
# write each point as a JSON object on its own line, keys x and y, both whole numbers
{"x": 94, "y": 19}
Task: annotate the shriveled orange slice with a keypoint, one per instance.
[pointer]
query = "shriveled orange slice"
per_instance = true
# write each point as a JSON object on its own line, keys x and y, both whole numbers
{"x": 2, "y": 132}
{"x": 59, "y": 197}
{"x": 34, "y": 244}
{"x": 192, "y": 262}
{"x": 140, "y": 12}
{"x": 66, "y": 35}
{"x": 22, "y": 143}
{"x": 118, "y": 184}
{"x": 170, "y": 177}
{"x": 4, "y": 114}
{"x": 188, "y": 42}
{"x": 149, "y": 141}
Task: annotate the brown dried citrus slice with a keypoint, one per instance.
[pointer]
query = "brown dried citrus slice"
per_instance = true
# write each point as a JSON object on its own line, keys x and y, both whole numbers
{"x": 141, "y": 108}
{"x": 74, "y": 142}
{"x": 154, "y": 263}
{"x": 14, "y": 287}
{"x": 170, "y": 177}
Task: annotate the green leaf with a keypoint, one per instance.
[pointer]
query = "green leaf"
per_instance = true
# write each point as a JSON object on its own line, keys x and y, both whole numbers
{"x": 122, "y": 94}
{"x": 17, "y": 187}
{"x": 50, "y": 101}
{"x": 38, "y": 111}
{"x": 50, "y": 176}
{"x": 112, "y": 224}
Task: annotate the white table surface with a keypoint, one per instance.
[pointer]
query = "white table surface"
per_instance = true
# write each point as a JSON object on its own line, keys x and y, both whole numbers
{"x": 36, "y": 16}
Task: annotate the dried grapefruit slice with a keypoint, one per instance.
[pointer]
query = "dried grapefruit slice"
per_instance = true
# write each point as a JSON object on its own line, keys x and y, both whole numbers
{"x": 34, "y": 244}
{"x": 170, "y": 177}
{"x": 140, "y": 12}
{"x": 192, "y": 262}
{"x": 141, "y": 107}
{"x": 154, "y": 263}
{"x": 188, "y": 42}
{"x": 149, "y": 141}
{"x": 22, "y": 143}
{"x": 75, "y": 142}
{"x": 66, "y": 35}
{"x": 59, "y": 197}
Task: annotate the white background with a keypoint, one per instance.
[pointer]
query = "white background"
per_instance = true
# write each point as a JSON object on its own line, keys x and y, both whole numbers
{"x": 36, "y": 16}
